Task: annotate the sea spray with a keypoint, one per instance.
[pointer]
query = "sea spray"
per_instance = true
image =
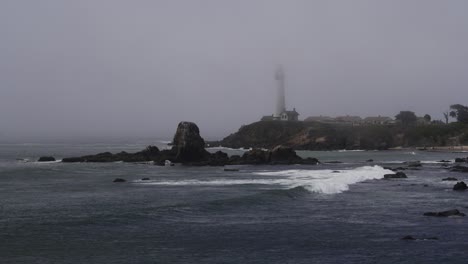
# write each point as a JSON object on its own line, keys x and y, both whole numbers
{"x": 329, "y": 181}
{"x": 320, "y": 181}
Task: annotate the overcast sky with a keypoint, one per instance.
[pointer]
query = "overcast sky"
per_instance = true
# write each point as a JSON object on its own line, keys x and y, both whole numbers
{"x": 137, "y": 67}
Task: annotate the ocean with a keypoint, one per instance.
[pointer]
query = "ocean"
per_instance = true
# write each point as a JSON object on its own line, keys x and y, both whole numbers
{"x": 342, "y": 211}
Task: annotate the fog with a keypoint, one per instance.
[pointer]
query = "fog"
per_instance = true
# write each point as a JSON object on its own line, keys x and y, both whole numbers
{"x": 114, "y": 68}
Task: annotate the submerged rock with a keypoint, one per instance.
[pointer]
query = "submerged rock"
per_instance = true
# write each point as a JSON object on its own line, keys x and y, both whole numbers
{"x": 398, "y": 175}
{"x": 459, "y": 168}
{"x": 453, "y": 212}
{"x": 450, "y": 179}
{"x": 119, "y": 180}
{"x": 460, "y": 186}
{"x": 424, "y": 238}
{"x": 46, "y": 159}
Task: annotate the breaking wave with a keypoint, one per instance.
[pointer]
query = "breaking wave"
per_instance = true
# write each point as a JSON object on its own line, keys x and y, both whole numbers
{"x": 320, "y": 181}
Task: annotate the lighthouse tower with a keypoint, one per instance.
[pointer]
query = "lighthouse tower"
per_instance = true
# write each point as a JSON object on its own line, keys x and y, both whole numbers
{"x": 280, "y": 96}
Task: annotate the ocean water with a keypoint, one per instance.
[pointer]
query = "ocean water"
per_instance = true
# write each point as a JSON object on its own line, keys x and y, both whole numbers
{"x": 330, "y": 213}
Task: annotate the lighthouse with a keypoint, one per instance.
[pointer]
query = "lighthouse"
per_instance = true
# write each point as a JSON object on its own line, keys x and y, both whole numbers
{"x": 281, "y": 113}
{"x": 280, "y": 93}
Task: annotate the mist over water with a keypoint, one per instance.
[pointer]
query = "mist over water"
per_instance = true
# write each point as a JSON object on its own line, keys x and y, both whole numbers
{"x": 113, "y": 69}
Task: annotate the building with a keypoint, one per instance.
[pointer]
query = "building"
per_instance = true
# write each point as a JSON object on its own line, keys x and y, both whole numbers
{"x": 281, "y": 113}
{"x": 326, "y": 119}
{"x": 378, "y": 120}
{"x": 349, "y": 120}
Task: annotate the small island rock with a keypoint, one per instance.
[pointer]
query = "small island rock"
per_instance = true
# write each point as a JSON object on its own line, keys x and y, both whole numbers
{"x": 46, "y": 159}
{"x": 460, "y": 186}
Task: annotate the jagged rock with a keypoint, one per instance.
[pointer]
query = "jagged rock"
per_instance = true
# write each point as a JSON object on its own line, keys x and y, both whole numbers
{"x": 453, "y": 212}
{"x": 256, "y": 156}
{"x": 461, "y": 160}
{"x": 284, "y": 155}
{"x": 444, "y": 161}
{"x": 119, "y": 180}
{"x": 218, "y": 158}
{"x": 450, "y": 179}
{"x": 460, "y": 186}
{"x": 46, "y": 159}
{"x": 398, "y": 175}
{"x": 189, "y": 146}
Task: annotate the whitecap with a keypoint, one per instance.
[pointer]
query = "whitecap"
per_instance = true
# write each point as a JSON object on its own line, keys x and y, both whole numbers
{"x": 320, "y": 181}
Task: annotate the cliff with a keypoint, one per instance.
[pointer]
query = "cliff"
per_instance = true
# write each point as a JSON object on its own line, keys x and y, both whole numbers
{"x": 322, "y": 136}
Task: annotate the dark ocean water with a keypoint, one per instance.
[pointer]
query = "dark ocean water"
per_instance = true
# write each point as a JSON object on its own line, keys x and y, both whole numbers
{"x": 74, "y": 213}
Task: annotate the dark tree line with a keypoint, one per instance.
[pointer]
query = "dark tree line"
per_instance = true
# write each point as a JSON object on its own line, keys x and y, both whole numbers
{"x": 460, "y": 112}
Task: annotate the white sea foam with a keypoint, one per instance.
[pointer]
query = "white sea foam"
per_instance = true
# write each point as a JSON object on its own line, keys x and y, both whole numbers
{"x": 320, "y": 181}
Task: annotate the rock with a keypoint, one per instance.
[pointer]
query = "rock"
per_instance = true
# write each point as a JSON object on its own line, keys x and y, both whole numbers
{"x": 460, "y": 186}
{"x": 145, "y": 179}
{"x": 370, "y": 160}
{"x": 46, "y": 159}
{"x": 424, "y": 238}
{"x": 119, "y": 180}
{"x": 188, "y": 145}
{"x": 412, "y": 164}
{"x": 453, "y": 212}
{"x": 284, "y": 155}
{"x": 444, "y": 161}
{"x": 450, "y": 179}
{"x": 461, "y": 160}
{"x": 256, "y": 156}
{"x": 229, "y": 169}
{"x": 398, "y": 175}
{"x": 459, "y": 168}
{"x": 333, "y": 162}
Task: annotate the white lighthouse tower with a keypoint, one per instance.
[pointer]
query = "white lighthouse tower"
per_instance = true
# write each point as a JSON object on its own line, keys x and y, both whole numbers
{"x": 280, "y": 96}
{"x": 280, "y": 112}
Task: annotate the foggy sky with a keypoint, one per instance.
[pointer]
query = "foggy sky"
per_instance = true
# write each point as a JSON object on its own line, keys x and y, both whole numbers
{"x": 120, "y": 68}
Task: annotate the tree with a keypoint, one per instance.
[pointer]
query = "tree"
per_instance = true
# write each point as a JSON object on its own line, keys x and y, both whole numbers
{"x": 460, "y": 112}
{"x": 446, "y": 116}
{"x": 406, "y": 118}
{"x": 428, "y": 118}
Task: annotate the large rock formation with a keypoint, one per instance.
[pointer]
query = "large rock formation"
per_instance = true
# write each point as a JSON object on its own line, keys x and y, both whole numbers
{"x": 188, "y": 145}
{"x": 189, "y": 149}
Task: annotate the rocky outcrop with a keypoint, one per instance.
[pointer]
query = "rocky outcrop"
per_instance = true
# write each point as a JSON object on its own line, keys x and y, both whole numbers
{"x": 46, "y": 159}
{"x": 188, "y": 145}
{"x": 461, "y": 160}
{"x": 188, "y": 148}
{"x": 460, "y": 186}
{"x": 328, "y": 136}
{"x": 453, "y": 212}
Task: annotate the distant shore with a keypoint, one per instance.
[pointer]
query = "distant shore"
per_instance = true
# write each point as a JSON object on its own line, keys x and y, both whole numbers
{"x": 436, "y": 149}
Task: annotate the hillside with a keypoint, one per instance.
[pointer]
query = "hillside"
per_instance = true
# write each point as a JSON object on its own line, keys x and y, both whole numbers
{"x": 320, "y": 136}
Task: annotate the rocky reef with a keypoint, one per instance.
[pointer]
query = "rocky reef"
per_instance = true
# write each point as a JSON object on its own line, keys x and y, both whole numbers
{"x": 188, "y": 148}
